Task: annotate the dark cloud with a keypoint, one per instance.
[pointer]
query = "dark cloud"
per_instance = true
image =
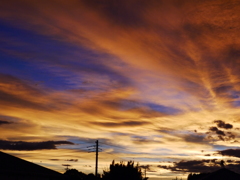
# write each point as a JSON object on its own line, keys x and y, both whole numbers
{"x": 73, "y": 160}
{"x": 222, "y": 124}
{"x": 193, "y": 138}
{"x": 230, "y": 135}
{"x": 30, "y": 146}
{"x": 121, "y": 124}
{"x": 54, "y": 159}
{"x": 10, "y": 119}
{"x": 4, "y": 122}
{"x": 145, "y": 166}
{"x": 144, "y": 140}
{"x": 230, "y": 152}
{"x": 213, "y": 129}
{"x": 216, "y": 134}
{"x": 219, "y": 132}
{"x": 194, "y": 166}
{"x": 221, "y": 138}
{"x": 87, "y": 166}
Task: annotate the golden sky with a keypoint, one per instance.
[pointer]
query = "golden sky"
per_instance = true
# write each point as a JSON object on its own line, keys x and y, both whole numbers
{"x": 155, "y": 81}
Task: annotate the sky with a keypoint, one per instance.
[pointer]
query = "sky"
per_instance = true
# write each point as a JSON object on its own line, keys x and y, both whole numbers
{"x": 156, "y": 82}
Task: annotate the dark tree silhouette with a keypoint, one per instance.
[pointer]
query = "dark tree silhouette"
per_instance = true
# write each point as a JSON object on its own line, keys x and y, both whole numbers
{"x": 121, "y": 171}
{"x": 91, "y": 176}
{"x": 73, "y": 174}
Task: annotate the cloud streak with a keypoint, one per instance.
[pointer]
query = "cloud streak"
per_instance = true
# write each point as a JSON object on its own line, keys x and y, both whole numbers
{"x": 230, "y": 152}
{"x": 4, "y": 122}
{"x": 195, "y": 166}
{"x": 30, "y": 146}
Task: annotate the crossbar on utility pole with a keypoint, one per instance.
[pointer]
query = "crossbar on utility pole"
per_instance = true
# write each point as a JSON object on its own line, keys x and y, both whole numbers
{"x": 96, "y": 167}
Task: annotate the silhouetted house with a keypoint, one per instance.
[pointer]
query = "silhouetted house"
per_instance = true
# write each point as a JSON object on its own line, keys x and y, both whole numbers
{"x": 222, "y": 174}
{"x": 13, "y": 168}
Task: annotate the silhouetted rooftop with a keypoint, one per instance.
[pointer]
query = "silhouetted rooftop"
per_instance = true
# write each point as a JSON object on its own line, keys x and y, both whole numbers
{"x": 14, "y": 166}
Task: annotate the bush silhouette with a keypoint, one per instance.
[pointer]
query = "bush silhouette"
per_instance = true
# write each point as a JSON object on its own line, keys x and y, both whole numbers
{"x": 121, "y": 171}
{"x": 73, "y": 174}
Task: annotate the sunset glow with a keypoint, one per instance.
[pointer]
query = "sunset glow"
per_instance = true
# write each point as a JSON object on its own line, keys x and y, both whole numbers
{"x": 155, "y": 81}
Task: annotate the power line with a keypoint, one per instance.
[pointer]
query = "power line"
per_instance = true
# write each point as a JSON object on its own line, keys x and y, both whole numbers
{"x": 125, "y": 148}
{"x": 118, "y": 157}
{"x": 96, "y": 149}
{"x": 113, "y": 145}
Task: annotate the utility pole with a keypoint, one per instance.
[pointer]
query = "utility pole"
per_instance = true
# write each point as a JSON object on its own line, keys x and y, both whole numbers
{"x": 96, "y": 166}
{"x": 95, "y": 148}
